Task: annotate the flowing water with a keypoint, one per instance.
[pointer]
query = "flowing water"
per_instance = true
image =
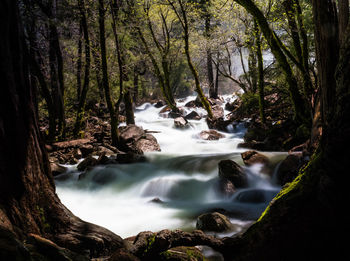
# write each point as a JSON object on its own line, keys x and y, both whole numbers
{"x": 174, "y": 187}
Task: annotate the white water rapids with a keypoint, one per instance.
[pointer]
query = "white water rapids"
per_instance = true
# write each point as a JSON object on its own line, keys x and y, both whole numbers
{"x": 184, "y": 176}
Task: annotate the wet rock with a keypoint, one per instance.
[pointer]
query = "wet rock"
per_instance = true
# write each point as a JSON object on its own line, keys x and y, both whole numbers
{"x": 193, "y": 116}
{"x": 148, "y": 245}
{"x": 86, "y": 150}
{"x": 127, "y": 158}
{"x": 147, "y": 143}
{"x": 214, "y": 222}
{"x": 218, "y": 124}
{"x": 255, "y": 196}
{"x": 231, "y": 171}
{"x": 254, "y": 145}
{"x": 194, "y": 103}
{"x": 156, "y": 200}
{"x": 211, "y": 135}
{"x": 289, "y": 168}
{"x": 181, "y": 123}
{"x": 182, "y": 253}
{"x": 123, "y": 255}
{"x": 88, "y": 162}
{"x": 57, "y": 169}
{"x": 159, "y": 104}
{"x": 218, "y": 111}
{"x": 103, "y": 150}
{"x": 165, "y": 109}
{"x": 226, "y": 187}
{"x": 134, "y": 139}
{"x": 253, "y": 157}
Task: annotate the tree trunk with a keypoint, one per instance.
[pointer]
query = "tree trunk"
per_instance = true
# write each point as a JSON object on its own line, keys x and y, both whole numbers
{"x": 105, "y": 82}
{"x": 343, "y": 18}
{"x": 83, "y": 94}
{"x": 212, "y": 93}
{"x": 260, "y": 73}
{"x": 79, "y": 62}
{"x": 327, "y": 50}
{"x": 184, "y": 23}
{"x": 28, "y": 202}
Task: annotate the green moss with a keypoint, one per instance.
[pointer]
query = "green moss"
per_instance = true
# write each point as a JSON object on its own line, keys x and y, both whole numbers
{"x": 295, "y": 187}
{"x": 45, "y": 224}
{"x": 150, "y": 242}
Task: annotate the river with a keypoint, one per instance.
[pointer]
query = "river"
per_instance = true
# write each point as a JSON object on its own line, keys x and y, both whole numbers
{"x": 173, "y": 188}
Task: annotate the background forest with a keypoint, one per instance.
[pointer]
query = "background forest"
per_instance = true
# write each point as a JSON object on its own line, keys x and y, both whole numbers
{"x": 89, "y": 54}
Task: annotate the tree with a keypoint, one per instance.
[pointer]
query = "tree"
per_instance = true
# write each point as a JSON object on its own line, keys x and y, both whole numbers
{"x": 105, "y": 82}
{"x": 306, "y": 219}
{"x": 181, "y": 14}
{"x": 28, "y": 202}
{"x": 84, "y": 90}
{"x": 300, "y": 107}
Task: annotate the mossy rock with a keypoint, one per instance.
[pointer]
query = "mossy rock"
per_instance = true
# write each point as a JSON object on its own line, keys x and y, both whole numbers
{"x": 182, "y": 253}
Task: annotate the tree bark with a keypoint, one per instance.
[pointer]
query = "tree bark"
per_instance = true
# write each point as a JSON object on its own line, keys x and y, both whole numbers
{"x": 28, "y": 202}
{"x": 327, "y": 50}
{"x": 343, "y": 6}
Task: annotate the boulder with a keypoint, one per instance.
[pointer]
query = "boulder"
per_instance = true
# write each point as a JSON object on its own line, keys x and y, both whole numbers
{"x": 214, "y": 222}
{"x": 159, "y": 104}
{"x": 88, "y": 162}
{"x": 147, "y": 143}
{"x": 182, "y": 253}
{"x": 218, "y": 112}
{"x": 181, "y": 123}
{"x": 135, "y": 140}
{"x": 230, "y": 170}
{"x": 211, "y": 135}
{"x": 289, "y": 168}
{"x": 86, "y": 150}
{"x": 218, "y": 124}
{"x": 57, "y": 169}
{"x": 193, "y": 116}
{"x": 253, "y": 157}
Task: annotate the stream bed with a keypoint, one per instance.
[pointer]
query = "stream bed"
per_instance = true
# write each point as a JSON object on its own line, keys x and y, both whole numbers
{"x": 174, "y": 186}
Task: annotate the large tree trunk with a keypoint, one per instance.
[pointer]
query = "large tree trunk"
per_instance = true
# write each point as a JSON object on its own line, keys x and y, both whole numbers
{"x": 28, "y": 202}
{"x": 327, "y": 50}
